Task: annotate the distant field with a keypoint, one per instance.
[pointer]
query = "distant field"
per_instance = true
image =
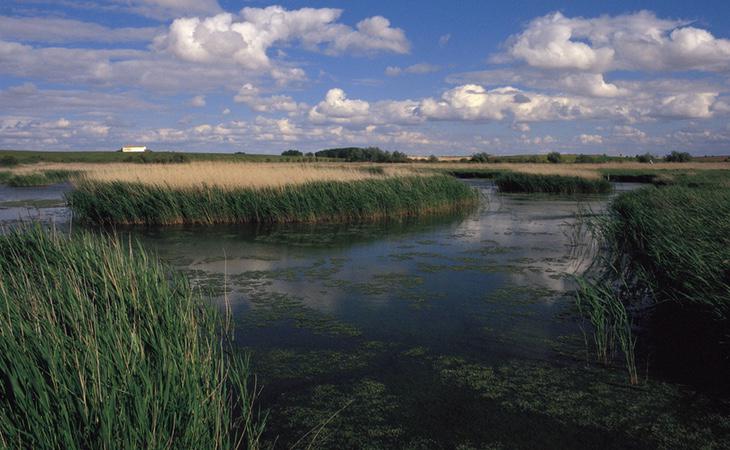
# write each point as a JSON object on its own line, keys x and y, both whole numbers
{"x": 32, "y": 157}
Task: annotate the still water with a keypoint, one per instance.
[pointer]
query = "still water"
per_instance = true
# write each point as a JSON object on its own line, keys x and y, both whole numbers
{"x": 444, "y": 332}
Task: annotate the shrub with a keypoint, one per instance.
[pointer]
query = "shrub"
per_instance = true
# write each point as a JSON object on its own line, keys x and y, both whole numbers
{"x": 8, "y": 161}
{"x": 553, "y": 157}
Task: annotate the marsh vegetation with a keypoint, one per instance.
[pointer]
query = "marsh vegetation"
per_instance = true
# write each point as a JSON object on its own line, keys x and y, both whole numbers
{"x": 447, "y": 330}
{"x": 104, "y": 347}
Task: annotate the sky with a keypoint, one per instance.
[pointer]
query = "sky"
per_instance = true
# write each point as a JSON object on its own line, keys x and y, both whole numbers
{"x": 421, "y": 77}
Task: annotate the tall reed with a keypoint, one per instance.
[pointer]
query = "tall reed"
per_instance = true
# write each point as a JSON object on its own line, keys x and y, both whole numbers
{"x": 374, "y": 198}
{"x": 551, "y": 184}
{"x": 103, "y": 347}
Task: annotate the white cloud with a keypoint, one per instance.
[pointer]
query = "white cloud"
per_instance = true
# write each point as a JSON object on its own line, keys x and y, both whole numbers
{"x": 165, "y": 9}
{"x": 688, "y": 106}
{"x": 444, "y": 40}
{"x": 246, "y": 41}
{"x": 251, "y": 96}
{"x": 57, "y": 30}
{"x": 629, "y": 133}
{"x": 420, "y": 68}
{"x": 338, "y": 108}
{"x": 590, "y": 139}
{"x": 27, "y": 98}
{"x": 198, "y": 101}
{"x": 638, "y": 41}
{"x": 474, "y": 102}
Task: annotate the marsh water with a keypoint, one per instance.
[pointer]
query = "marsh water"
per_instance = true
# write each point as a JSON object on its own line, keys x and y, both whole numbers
{"x": 453, "y": 331}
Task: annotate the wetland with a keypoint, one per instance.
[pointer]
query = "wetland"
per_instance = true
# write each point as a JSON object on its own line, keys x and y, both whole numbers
{"x": 447, "y": 331}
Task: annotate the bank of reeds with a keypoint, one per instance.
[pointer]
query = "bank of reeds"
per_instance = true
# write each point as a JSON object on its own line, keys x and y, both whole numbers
{"x": 103, "y": 347}
{"x": 551, "y": 184}
{"x": 322, "y": 201}
{"x": 39, "y": 178}
{"x": 666, "y": 256}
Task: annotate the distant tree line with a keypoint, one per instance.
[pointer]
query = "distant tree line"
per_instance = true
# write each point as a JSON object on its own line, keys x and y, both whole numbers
{"x": 358, "y": 154}
{"x": 672, "y": 157}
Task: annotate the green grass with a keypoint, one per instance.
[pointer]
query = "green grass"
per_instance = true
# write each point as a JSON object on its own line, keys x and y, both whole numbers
{"x": 42, "y": 178}
{"x": 379, "y": 198}
{"x": 5, "y": 176}
{"x": 551, "y": 184}
{"x": 103, "y": 347}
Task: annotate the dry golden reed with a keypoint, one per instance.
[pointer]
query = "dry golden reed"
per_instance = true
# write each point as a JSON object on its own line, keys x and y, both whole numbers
{"x": 226, "y": 174}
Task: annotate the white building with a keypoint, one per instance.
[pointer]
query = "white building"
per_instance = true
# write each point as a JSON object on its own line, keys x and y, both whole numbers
{"x": 134, "y": 148}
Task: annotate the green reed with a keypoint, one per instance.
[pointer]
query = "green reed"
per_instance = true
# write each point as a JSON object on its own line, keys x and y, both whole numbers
{"x": 551, "y": 184}
{"x": 103, "y": 347}
{"x": 379, "y": 198}
{"x": 41, "y": 178}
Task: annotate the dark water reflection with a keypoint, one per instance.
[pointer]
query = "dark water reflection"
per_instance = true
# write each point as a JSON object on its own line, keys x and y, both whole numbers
{"x": 443, "y": 332}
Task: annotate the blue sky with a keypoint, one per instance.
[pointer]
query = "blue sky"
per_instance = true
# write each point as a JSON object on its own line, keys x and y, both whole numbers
{"x": 423, "y": 77}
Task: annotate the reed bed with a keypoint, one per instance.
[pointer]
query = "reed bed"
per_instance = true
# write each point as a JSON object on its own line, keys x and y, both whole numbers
{"x": 666, "y": 258}
{"x": 373, "y": 197}
{"x": 223, "y": 174}
{"x": 40, "y": 178}
{"x": 103, "y": 347}
{"x": 551, "y": 184}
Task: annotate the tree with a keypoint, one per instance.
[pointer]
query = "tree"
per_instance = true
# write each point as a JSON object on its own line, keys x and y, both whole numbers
{"x": 481, "y": 157}
{"x": 292, "y": 153}
{"x": 553, "y": 157}
{"x": 676, "y": 156}
{"x": 433, "y": 159}
{"x": 645, "y": 158}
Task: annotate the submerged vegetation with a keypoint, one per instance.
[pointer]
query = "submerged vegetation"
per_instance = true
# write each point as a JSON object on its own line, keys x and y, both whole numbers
{"x": 103, "y": 347}
{"x": 552, "y": 184}
{"x": 375, "y": 198}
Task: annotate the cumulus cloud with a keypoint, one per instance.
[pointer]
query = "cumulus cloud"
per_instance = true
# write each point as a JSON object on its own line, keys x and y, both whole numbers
{"x": 590, "y": 139}
{"x": 26, "y": 132}
{"x": 474, "y": 102}
{"x": 639, "y": 41}
{"x": 251, "y": 97}
{"x": 629, "y": 133}
{"x": 247, "y": 39}
{"x": 337, "y": 107}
